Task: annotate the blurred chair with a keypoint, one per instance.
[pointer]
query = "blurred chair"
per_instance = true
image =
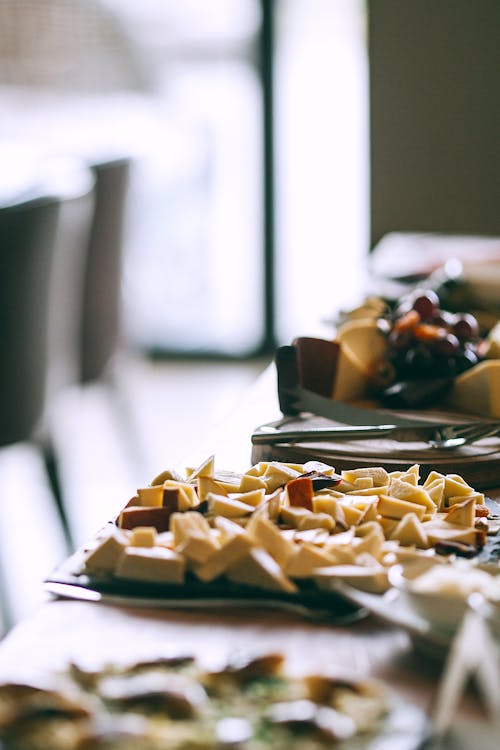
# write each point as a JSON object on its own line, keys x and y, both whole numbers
{"x": 27, "y": 240}
{"x": 44, "y": 226}
{"x": 100, "y": 325}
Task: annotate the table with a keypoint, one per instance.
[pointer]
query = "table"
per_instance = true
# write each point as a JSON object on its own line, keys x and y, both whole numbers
{"x": 94, "y": 634}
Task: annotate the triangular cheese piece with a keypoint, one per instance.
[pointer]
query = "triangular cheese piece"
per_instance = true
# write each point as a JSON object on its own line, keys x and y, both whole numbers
{"x": 258, "y": 568}
{"x": 306, "y": 559}
{"x": 462, "y": 514}
{"x": 410, "y": 531}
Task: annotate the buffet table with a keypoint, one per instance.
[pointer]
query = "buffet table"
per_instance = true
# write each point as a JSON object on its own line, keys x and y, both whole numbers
{"x": 92, "y": 634}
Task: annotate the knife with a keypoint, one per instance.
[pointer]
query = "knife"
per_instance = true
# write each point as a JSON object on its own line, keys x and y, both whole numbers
{"x": 276, "y": 433}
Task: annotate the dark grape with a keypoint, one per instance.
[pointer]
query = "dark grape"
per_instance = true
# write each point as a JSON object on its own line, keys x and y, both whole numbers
{"x": 418, "y": 360}
{"x": 466, "y": 327}
{"x": 400, "y": 339}
{"x": 426, "y": 304}
{"x": 447, "y": 346}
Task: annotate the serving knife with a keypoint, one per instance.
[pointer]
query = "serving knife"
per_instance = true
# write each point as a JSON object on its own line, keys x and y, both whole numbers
{"x": 282, "y": 432}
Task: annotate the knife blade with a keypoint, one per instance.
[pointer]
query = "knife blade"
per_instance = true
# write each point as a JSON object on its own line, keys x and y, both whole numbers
{"x": 303, "y": 400}
{"x": 282, "y": 431}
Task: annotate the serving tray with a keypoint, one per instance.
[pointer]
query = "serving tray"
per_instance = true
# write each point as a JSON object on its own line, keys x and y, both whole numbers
{"x": 68, "y": 581}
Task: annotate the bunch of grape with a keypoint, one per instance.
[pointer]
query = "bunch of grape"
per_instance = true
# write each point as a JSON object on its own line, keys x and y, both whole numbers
{"x": 426, "y": 341}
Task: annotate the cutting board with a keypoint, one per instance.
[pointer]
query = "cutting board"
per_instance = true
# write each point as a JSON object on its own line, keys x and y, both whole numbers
{"x": 478, "y": 464}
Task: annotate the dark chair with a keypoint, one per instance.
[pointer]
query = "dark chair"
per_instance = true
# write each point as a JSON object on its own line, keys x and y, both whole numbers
{"x": 28, "y": 230}
{"x": 100, "y": 333}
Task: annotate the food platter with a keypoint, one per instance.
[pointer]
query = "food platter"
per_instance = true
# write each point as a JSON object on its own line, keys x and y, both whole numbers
{"x": 250, "y": 701}
{"x": 70, "y": 581}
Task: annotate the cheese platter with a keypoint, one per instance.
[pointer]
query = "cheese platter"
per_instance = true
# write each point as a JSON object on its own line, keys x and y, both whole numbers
{"x": 294, "y": 537}
{"x": 404, "y": 376}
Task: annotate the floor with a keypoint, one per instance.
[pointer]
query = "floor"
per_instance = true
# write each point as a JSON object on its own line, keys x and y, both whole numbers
{"x": 111, "y": 437}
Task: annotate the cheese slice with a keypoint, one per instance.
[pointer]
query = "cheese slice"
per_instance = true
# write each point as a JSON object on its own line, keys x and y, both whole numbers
{"x": 478, "y": 390}
{"x": 258, "y": 568}
{"x": 155, "y": 564}
{"x": 411, "y": 493}
{"x": 208, "y": 484}
{"x": 104, "y": 557}
{"x": 409, "y": 531}
{"x": 268, "y": 536}
{"x": 378, "y": 474}
{"x": 394, "y": 507}
{"x": 372, "y": 579}
{"x": 462, "y": 514}
{"x": 143, "y": 536}
{"x": 150, "y": 496}
{"x": 219, "y": 505}
{"x": 234, "y": 549}
{"x": 305, "y": 559}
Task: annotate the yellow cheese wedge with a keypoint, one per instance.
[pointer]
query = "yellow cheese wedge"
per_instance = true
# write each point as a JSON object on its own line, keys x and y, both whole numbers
{"x": 316, "y": 521}
{"x": 394, "y": 507}
{"x": 227, "y": 528}
{"x": 325, "y": 504}
{"x": 387, "y": 525}
{"x": 351, "y": 379}
{"x": 444, "y": 531}
{"x": 156, "y": 564}
{"x": 478, "y": 498}
{"x": 219, "y": 505}
{"x": 150, "y": 496}
{"x": 462, "y": 514}
{"x": 435, "y": 490}
{"x": 305, "y": 559}
{"x": 369, "y": 539}
{"x": 269, "y": 537}
{"x": 292, "y": 516}
{"x": 249, "y": 483}
{"x": 277, "y": 474}
{"x": 454, "y": 487}
{"x": 352, "y": 514}
{"x": 208, "y": 484}
{"x": 478, "y": 390}
{"x": 411, "y": 493}
{"x": 252, "y": 497}
{"x": 183, "y": 525}
{"x": 205, "y": 469}
{"x": 104, "y": 557}
{"x": 378, "y": 474}
{"x": 258, "y": 568}
{"x": 198, "y": 548}
{"x": 234, "y": 549}
{"x": 143, "y": 536}
{"x": 409, "y": 531}
{"x": 371, "y": 579}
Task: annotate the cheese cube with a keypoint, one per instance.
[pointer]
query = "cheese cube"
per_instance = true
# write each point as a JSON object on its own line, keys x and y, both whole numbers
{"x": 156, "y": 564}
{"x": 269, "y": 537}
{"x": 478, "y": 390}
{"x": 226, "y": 506}
{"x": 409, "y": 531}
{"x": 104, "y": 557}
{"x": 143, "y": 536}
{"x": 378, "y": 474}
{"x": 258, "y": 568}
{"x": 305, "y": 559}
{"x": 223, "y": 558}
{"x": 393, "y": 507}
